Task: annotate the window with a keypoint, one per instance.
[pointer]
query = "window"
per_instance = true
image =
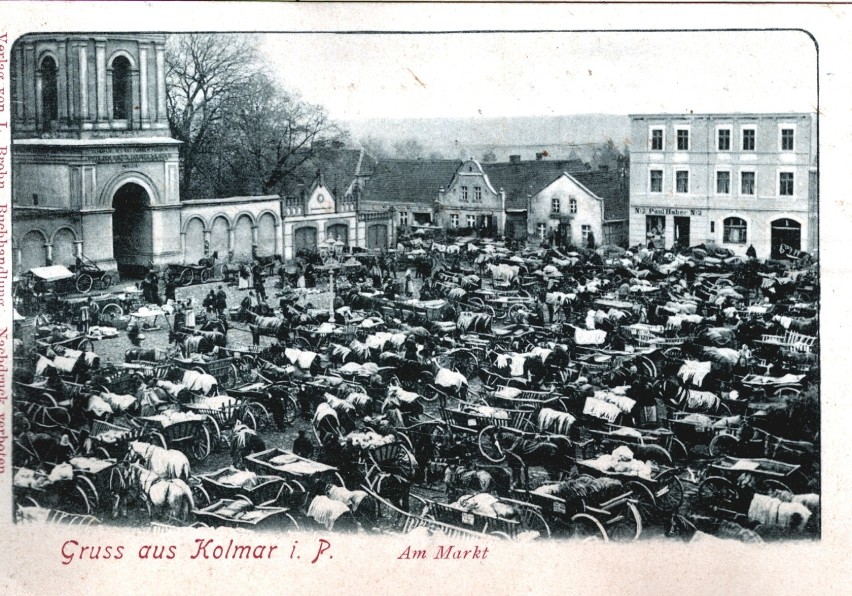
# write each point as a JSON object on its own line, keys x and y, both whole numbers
{"x": 787, "y": 137}
{"x": 454, "y": 220}
{"x": 656, "y": 139}
{"x": 734, "y": 230}
{"x": 724, "y": 139}
{"x": 683, "y": 139}
{"x": 49, "y": 95}
{"x": 464, "y": 194}
{"x": 403, "y": 218}
{"x": 723, "y": 183}
{"x": 748, "y": 139}
{"x": 121, "y": 88}
{"x": 682, "y": 181}
{"x": 785, "y": 184}
{"x": 572, "y": 206}
{"x": 477, "y": 194}
{"x": 586, "y": 234}
{"x": 656, "y": 181}
{"x": 554, "y": 205}
{"x": 712, "y": 227}
{"x": 747, "y": 183}
{"x": 655, "y": 229}
{"x": 471, "y": 221}
{"x": 541, "y": 230}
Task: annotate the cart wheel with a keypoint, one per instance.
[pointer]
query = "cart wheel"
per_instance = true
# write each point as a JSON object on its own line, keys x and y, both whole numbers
{"x": 105, "y": 281}
{"x": 515, "y": 309}
{"x": 478, "y": 302}
{"x": 303, "y": 343}
{"x": 291, "y": 410}
{"x": 466, "y": 363}
{"x": 786, "y": 392}
{"x": 200, "y": 496}
{"x": 201, "y": 446}
{"x": 170, "y": 275}
{"x": 185, "y": 277}
{"x": 205, "y": 275}
{"x": 102, "y": 453}
{"x": 670, "y": 497}
{"x": 490, "y": 445}
{"x": 716, "y": 491}
{"x": 110, "y": 313}
{"x": 653, "y": 453}
{"x": 92, "y": 495}
{"x": 771, "y": 484}
{"x": 723, "y": 410}
{"x": 230, "y": 378}
{"x": 646, "y": 503}
{"x": 259, "y": 415}
{"x": 648, "y": 366}
{"x": 627, "y": 527}
{"x": 723, "y": 445}
{"x": 214, "y": 431}
{"x": 86, "y": 345}
{"x": 430, "y": 394}
{"x": 82, "y": 499}
{"x": 84, "y": 283}
{"x": 679, "y": 453}
{"x": 587, "y": 528}
{"x": 534, "y": 521}
{"x": 292, "y": 520}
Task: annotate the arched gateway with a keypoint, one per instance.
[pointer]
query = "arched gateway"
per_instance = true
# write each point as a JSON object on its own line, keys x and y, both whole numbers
{"x": 132, "y": 231}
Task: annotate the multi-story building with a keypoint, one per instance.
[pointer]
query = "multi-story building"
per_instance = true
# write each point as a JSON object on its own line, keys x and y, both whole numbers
{"x": 735, "y": 180}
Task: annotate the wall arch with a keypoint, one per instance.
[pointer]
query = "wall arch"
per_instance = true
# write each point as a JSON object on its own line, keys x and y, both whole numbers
{"x": 266, "y": 225}
{"x": 220, "y": 231}
{"x": 243, "y": 237}
{"x": 194, "y": 239}
{"x": 33, "y": 250}
{"x": 105, "y": 199}
{"x": 64, "y": 246}
{"x": 123, "y": 53}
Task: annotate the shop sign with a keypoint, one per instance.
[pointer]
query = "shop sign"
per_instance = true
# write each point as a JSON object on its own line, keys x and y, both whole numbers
{"x": 667, "y": 211}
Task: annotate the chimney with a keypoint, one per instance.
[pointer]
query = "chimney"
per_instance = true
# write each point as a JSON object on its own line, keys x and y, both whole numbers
{"x": 514, "y": 159}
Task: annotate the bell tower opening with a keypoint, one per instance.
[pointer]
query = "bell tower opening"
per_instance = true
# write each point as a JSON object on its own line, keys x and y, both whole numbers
{"x": 132, "y": 241}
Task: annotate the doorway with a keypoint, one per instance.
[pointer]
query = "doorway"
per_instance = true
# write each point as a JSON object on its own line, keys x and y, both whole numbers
{"x": 681, "y": 230}
{"x": 132, "y": 234}
{"x": 786, "y": 238}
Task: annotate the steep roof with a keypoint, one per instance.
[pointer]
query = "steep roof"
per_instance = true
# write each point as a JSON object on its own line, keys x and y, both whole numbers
{"x": 338, "y": 167}
{"x": 522, "y": 178}
{"x": 409, "y": 180}
{"x": 612, "y": 187}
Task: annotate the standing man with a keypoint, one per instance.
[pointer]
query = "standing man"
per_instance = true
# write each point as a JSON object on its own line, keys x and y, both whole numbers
{"x": 257, "y": 277}
{"x": 221, "y": 301}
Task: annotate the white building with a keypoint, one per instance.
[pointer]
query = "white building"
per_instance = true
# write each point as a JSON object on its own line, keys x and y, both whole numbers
{"x": 731, "y": 179}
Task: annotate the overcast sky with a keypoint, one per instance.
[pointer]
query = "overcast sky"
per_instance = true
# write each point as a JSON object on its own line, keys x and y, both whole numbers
{"x": 522, "y": 74}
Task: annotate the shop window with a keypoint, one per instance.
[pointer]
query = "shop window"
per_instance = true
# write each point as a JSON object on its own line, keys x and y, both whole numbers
{"x": 734, "y": 230}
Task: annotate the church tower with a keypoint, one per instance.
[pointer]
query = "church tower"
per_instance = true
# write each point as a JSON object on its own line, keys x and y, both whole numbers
{"x": 95, "y": 171}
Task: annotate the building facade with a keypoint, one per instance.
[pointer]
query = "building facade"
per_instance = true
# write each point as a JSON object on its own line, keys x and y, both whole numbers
{"x": 566, "y": 212}
{"x": 94, "y": 169}
{"x": 96, "y": 174}
{"x": 471, "y": 202}
{"x": 735, "y": 180}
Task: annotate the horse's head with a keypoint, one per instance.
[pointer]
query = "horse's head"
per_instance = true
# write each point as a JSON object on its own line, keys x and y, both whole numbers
{"x": 138, "y": 451}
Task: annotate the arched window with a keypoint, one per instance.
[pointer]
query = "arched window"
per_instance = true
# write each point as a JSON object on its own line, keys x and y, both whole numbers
{"x": 49, "y": 94}
{"x": 573, "y": 206}
{"x": 121, "y": 95}
{"x": 735, "y": 230}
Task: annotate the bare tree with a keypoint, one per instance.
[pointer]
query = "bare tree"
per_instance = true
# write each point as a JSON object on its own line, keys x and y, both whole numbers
{"x": 206, "y": 77}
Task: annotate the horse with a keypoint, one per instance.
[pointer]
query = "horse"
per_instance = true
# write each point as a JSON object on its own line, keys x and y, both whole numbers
{"x": 553, "y": 454}
{"x": 170, "y": 497}
{"x": 243, "y": 442}
{"x": 168, "y": 463}
{"x": 459, "y": 479}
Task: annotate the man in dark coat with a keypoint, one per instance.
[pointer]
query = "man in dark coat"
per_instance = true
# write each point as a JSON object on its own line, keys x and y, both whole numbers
{"x": 302, "y": 445}
{"x": 221, "y": 301}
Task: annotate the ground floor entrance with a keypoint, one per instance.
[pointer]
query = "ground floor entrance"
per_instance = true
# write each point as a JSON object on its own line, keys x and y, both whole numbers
{"x": 681, "y": 231}
{"x": 786, "y": 238}
{"x": 132, "y": 232}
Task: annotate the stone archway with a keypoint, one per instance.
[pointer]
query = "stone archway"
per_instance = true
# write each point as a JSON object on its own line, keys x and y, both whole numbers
{"x": 132, "y": 233}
